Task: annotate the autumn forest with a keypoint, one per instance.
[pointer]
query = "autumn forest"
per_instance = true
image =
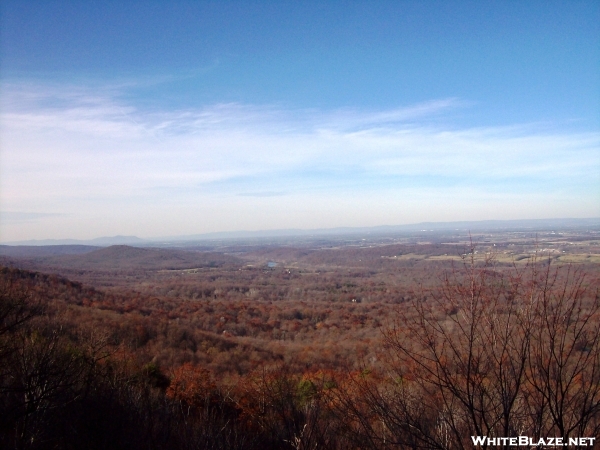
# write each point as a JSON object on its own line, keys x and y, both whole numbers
{"x": 415, "y": 341}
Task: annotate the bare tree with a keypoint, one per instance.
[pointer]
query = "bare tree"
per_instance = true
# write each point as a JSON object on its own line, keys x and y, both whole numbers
{"x": 492, "y": 352}
{"x": 563, "y": 375}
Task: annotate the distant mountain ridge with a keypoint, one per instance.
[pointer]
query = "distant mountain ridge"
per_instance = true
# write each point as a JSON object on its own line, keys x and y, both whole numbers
{"x": 117, "y": 257}
{"x": 35, "y": 251}
{"x": 422, "y": 226}
{"x": 539, "y": 224}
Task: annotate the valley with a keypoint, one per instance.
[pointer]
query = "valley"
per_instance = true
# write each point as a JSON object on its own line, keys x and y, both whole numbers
{"x": 264, "y": 339}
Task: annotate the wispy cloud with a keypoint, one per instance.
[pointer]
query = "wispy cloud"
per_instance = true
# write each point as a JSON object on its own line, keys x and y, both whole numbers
{"x": 76, "y": 149}
{"x": 262, "y": 194}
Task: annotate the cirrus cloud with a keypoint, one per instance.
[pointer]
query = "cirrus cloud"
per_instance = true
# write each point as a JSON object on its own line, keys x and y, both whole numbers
{"x": 82, "y": 152}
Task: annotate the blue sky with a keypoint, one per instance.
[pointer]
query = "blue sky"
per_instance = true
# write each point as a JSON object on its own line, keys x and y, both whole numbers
{"x": 166, "y": 118}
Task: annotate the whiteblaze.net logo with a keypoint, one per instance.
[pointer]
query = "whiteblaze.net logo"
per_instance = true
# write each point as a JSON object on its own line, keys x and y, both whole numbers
{"x": 532, "y": 442}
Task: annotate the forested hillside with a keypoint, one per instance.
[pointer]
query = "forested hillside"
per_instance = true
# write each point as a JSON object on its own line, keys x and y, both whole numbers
{"x": 284, "y": 356}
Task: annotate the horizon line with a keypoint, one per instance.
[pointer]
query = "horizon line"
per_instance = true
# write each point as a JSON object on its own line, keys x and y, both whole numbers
{"x": 299, "y": 232}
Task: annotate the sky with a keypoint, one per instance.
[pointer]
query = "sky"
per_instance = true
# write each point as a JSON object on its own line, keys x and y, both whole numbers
{"x": 166, "y": 118}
